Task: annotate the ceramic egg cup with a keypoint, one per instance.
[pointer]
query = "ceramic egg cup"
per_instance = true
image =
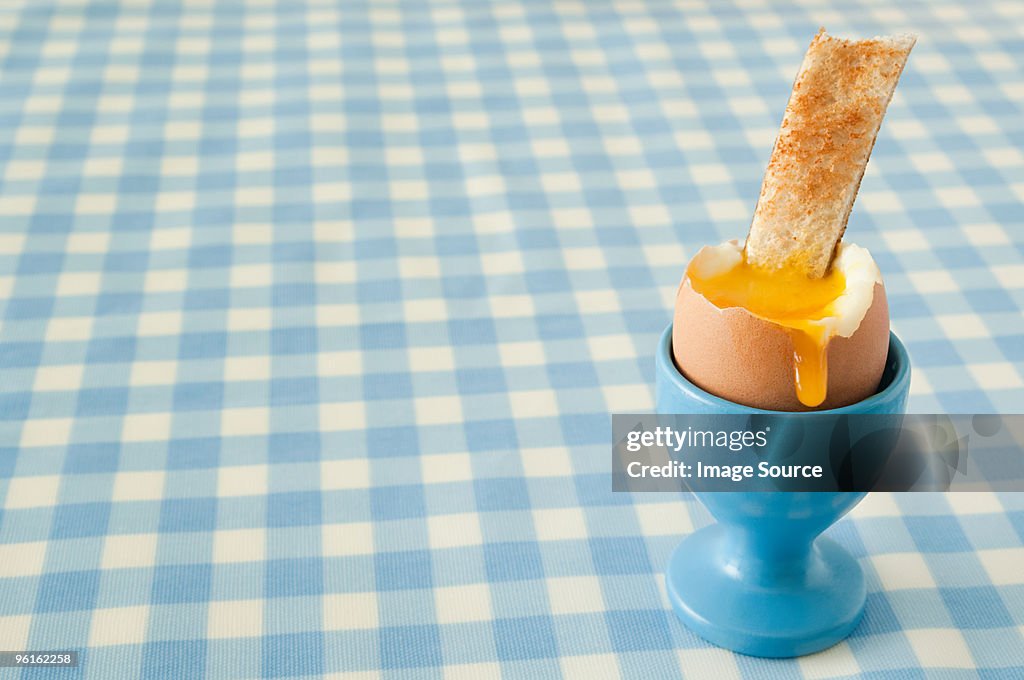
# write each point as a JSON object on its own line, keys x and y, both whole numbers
{"x": 762, "y": 581}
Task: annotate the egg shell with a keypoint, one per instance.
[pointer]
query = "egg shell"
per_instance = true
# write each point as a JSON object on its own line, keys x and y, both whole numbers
{"x": 747, "y": 360}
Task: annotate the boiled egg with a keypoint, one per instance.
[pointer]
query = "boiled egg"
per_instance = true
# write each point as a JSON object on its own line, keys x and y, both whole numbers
{"x": 778, "y": 340}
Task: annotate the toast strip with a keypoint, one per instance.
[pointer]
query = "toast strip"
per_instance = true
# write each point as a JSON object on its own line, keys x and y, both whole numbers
{"x": 838, "y": 101}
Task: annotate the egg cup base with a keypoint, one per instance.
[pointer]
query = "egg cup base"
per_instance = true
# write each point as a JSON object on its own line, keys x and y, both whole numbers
{"x": 779, "y": 619}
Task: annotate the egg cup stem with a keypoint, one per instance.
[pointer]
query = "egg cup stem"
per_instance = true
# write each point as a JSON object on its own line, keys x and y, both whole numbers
{"x": 764, "y": 558}
{"x": 762, "y": 580}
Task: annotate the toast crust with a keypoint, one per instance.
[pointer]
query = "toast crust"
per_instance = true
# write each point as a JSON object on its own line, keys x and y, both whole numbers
{"x": 828, "y": 131}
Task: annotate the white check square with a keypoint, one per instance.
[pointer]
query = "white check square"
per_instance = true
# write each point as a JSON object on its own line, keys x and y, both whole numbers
{"x": 453, "y": 531}
{"x": 22, "y": 559}
{"x": 239, "y": 545}
{"x": 351, "y": 538}
{"x": 575, "y": 594}
{"x": 236, "y": 422}
{"x": 145, "y": 485}
{"x": 438, "y": 468}
{"x": 129, "y": 551}
{"x": 36, "y": 491}
{"x": 242, "y": 480}
{"x": 350, "y": 611}
{"x": 591, "y": 666}
{"x": 64, "y": 378}
{"x": 235, "y": 619}
{"x": 898, "y": 571}
{"x": 1003, "y": 565}
{"x": 546, "y": 462}
{"x": 140, "y": 427}
{"x": 463, "y": 603}
{"x": 940, "y": 648}
{"x": 559, "y": 524}
{"x": 352, "y": 473}
{"x": 118, "y": 626}
{"x": 14, "y": 631}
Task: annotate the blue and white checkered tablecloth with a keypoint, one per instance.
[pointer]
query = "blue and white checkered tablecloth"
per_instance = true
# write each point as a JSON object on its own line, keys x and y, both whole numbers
{"x": 313, "y": 316}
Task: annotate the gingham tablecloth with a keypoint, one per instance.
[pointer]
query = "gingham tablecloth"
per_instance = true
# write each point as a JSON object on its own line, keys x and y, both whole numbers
{"x": 313, "y": 317}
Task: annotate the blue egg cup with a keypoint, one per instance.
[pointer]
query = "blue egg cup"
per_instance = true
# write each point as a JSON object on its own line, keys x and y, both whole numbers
{"x": 761, "y": 581}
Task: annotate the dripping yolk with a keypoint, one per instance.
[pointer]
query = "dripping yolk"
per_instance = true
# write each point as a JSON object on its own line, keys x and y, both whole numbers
{"x": 788, "y": 299}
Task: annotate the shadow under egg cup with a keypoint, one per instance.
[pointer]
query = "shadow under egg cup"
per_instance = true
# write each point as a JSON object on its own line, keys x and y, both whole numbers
{"x": 762, "y": 581}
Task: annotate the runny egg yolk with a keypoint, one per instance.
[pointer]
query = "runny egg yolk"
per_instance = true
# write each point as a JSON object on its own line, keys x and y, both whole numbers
{"x": 788, "y": 299}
